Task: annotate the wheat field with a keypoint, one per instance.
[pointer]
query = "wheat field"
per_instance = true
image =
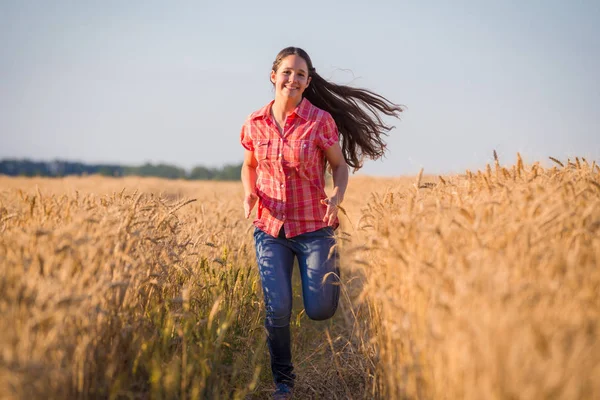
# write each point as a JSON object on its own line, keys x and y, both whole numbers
{"x": 482, "y": 285}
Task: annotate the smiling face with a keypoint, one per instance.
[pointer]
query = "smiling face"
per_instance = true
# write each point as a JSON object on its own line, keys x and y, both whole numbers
{"x": 291, "y": 77}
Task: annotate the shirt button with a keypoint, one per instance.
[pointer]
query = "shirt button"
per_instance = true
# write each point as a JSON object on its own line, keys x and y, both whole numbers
{"x": 281, "y": 185}
{"x": 279, "y": 155}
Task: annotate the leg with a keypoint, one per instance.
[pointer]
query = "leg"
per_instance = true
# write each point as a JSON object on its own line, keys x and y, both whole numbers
{"x": 275, "y": 260}
{"x": 318, "y": 259}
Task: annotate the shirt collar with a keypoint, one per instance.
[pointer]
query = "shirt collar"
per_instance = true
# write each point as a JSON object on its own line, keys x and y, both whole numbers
{"x": 302, "y": 110}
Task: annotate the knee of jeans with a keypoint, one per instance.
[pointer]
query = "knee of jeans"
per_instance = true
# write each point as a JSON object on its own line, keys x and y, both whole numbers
{"x": 278, "y": 315}
{"x": 320, "y": 312}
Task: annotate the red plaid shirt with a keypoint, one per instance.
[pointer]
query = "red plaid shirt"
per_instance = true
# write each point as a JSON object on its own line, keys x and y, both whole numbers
{"x": 290, "y": 181}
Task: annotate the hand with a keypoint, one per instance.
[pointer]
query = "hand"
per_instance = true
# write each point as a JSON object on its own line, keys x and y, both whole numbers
{"x": 332, "y": 210}
{"x": 249, "y": 202}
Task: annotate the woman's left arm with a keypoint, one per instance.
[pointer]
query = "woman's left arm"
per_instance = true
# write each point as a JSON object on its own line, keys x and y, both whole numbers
{"x": 339, "y": 170}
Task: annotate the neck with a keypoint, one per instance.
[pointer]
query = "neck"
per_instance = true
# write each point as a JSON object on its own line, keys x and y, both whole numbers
{"x": 282, "y": 107}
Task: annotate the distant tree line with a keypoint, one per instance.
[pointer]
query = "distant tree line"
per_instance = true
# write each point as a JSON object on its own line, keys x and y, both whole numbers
{"x": 64, "y": 168}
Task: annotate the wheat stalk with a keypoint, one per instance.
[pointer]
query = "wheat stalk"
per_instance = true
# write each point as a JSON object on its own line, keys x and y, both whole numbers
{"x": 557, "y": 161}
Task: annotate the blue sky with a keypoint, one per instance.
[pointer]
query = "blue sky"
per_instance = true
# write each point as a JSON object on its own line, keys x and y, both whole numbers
{"x": 132, "y": 82}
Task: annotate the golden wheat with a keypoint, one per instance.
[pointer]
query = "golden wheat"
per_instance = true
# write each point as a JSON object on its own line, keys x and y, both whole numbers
{"x": 109, "y": 294}
{"x": 486, "y": 287}
{"x": 480, "y": 286}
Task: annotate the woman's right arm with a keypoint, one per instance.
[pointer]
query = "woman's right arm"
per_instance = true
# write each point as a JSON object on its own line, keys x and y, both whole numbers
{"x": 249, "y": 182}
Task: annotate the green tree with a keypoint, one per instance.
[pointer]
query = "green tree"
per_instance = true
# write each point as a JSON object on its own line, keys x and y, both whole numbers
{"x": 229, "y": 172}
{"x": 202, "y": 173}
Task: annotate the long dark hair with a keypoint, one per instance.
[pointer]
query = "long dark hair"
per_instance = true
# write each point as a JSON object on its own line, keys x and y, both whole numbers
{"x": 355, "y": 111}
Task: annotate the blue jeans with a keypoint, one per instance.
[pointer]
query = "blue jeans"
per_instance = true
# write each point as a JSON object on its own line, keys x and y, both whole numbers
{"x": 318, "y": 260}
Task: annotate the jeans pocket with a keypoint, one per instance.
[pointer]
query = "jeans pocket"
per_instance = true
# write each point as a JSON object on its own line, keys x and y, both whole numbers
{"x": 257, "y": 234}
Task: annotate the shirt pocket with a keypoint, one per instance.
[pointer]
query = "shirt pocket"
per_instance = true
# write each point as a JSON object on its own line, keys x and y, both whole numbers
{"x": 261, "y": 150}
{"x": 302, "y": 151}
{"x": 304, "y": 155}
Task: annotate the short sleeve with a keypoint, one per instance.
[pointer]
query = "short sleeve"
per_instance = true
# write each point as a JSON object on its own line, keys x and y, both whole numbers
{"x": 245, "y": 138}
{"x": 328, "y": 132}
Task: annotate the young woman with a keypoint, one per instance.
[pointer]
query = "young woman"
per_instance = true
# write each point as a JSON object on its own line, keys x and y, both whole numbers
{"x": 288, "y": 143}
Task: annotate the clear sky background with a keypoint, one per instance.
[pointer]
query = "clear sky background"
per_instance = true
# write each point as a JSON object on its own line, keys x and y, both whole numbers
{"x": 155, "y": 81}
